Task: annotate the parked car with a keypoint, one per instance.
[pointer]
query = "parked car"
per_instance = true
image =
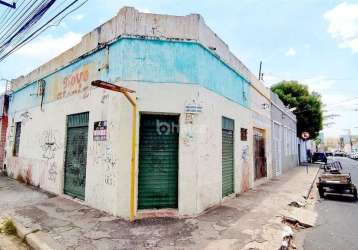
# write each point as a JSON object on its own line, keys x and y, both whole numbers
{"x": 353, "y": 156}
{"x": 340, "y": 153}
{"x": 329, "y": 154}
{"x": 319, "y": 157}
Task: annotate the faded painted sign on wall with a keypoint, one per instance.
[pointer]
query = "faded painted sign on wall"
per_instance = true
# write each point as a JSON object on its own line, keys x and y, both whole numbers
{"x": 75, "y": 82}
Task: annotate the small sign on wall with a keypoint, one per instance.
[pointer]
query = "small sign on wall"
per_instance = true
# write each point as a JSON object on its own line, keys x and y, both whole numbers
{"x": 100, "y": 131}
{"x": 243, "y": 134}
{"x": 193, "y": 108}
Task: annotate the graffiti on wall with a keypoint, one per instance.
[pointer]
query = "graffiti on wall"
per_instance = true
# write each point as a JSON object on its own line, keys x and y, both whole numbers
{"x": 245, "y": 184}
{"x": 245, "y": 153}
{"x": 104, "y": 98}
{"x": 104, "y": 157}
{"x": 25, "y": 117}
{"x": 50, "y": 144}
{"x": 110, "y": 171}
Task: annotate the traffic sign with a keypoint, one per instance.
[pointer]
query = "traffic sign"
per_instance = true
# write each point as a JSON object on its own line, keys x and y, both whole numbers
{"x": 305, "y": 135}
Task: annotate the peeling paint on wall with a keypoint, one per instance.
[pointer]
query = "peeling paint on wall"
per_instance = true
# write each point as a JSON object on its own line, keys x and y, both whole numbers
{"x": 245, "y": 155}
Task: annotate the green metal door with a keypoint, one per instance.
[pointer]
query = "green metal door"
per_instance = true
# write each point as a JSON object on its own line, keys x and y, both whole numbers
{"x": 76, "y": 155}
{"x": 158, "y": 162}
{"x": 227, "y": 156}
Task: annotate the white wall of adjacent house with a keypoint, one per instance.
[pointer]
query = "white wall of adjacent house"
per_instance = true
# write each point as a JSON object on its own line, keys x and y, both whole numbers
{"x": 43, "y": 143}
{"x": 261, "y": 119}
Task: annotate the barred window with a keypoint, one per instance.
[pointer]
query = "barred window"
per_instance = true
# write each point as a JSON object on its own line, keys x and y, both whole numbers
{"x": 17, "y": 139}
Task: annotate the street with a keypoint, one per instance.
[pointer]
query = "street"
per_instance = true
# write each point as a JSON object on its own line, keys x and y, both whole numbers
{"x": 248, "y": 221}
{"x": 337, "y": 224}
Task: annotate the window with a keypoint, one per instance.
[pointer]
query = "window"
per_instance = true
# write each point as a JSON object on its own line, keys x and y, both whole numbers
{"x": 17, "y": 139}
{"x": 243, "y": 134}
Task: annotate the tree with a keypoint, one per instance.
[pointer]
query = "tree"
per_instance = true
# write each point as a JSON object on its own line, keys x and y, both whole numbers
{"x": 307, "y": 106}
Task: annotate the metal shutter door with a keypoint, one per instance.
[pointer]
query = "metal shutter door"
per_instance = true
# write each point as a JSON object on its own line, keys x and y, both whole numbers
{"x": 227, "y": 156}
{"x": 158, "y": 162}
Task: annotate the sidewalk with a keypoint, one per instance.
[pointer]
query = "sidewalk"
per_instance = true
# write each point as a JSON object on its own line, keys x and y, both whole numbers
{"x": 250, "y": 221}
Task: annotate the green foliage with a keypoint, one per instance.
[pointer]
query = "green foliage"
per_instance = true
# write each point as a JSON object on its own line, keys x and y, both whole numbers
{"x": 8, "y": 227}
{"x": 308, "y": 106}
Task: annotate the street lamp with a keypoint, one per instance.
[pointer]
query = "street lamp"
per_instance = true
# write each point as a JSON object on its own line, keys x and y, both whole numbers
{"x": 125, "y": 92}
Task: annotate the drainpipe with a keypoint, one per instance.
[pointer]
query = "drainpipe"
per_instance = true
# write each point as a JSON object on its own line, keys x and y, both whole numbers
{"x": 125, "y": 92}
{"x": 132, "y": 168}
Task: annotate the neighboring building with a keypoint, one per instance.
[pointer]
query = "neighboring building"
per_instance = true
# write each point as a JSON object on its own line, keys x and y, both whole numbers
{"x": 284, "y": 137}
{"x": 199, "y": 110}
{"x": 4, "y": 104}
{"x": 304, "y": 149}
{"x": 261, "y": 125}
{"x": 331, "y": 144}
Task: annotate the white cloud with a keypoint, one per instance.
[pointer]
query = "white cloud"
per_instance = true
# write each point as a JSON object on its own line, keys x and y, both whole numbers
{"x": 343, "y": 25}
{"x": 78, "y": 17}
{"x": 291, "y": 52}
{"x": 319, "y": 83}
{"x": 352, "y": 43}
{"x": 49, "y": 46}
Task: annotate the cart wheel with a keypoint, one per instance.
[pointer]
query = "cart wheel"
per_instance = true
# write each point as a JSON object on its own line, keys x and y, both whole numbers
{"x": 355, "y": 194}
{"x": 321, "y": 192}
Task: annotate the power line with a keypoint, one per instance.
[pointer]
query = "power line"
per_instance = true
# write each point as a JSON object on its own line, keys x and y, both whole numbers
{"x": 13, "y": 5}
{"x": 31, "y": 21}
{"x": 342, "y": 102}
{"x": 43, "y": 27}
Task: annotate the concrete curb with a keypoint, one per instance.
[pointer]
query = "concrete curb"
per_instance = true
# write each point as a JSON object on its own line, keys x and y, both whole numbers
{"x": 35, "y": 238}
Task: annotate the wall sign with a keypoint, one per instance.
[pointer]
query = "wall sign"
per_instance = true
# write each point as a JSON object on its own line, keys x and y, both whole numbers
{"x": 243, "y": 134}
{"x": 100, "y": 131}
{"x": 193, "y": 108}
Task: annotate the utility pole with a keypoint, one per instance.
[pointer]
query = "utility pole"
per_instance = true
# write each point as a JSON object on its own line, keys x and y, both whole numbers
{"x": 350, "y": 141}
{"x": 261, "y": 75}
{"x": 7, "y": 86}
{"x": 10, "y": 5}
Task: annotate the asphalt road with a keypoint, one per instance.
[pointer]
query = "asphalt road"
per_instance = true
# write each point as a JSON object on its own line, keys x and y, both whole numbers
{"x": 337, "y": 225}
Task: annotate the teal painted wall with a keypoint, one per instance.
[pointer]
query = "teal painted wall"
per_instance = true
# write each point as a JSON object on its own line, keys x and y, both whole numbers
{"x": 176, "y": 62}
{"x": 149, "y": 61}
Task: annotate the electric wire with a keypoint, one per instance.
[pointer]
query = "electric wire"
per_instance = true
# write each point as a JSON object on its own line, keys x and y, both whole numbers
{"x": 42, "y": 28}
{"x": 30, "y": 20}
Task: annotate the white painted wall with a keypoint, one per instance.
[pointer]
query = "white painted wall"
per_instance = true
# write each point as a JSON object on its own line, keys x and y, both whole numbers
{"x": 199, "y": 147}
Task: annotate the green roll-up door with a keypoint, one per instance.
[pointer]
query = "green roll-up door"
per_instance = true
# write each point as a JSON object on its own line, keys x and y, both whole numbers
{"x": 158, "y": 162}
{"x": 76, "y": 155}
{"x": 227, "y": 156}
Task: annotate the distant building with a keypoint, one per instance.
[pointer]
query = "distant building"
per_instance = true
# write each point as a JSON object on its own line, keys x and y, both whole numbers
{"x": 331, "y": 144}
{"x": 4, "y": 104}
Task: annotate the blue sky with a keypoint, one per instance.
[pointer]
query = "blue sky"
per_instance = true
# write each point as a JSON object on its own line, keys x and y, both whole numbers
{"x": 312, "y": 41}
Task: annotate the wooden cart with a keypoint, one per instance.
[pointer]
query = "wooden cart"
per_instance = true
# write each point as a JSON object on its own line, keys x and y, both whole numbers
{"x": 337, "y": 183}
